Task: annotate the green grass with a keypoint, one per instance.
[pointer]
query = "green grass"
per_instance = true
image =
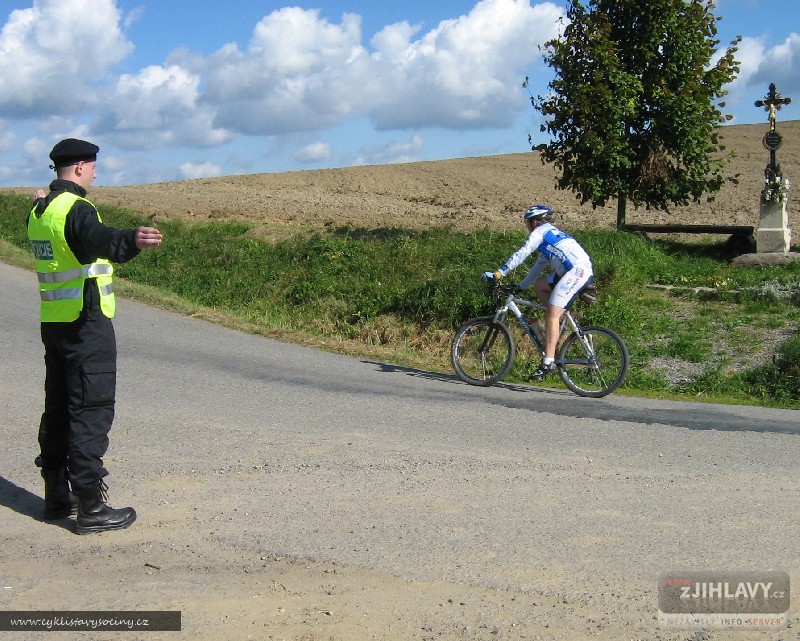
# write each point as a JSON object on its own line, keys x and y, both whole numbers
{"x": 398, "y": 295}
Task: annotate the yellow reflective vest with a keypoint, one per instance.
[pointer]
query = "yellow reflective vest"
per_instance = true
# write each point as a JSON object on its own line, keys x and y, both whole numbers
{"x": 61, "y": 275}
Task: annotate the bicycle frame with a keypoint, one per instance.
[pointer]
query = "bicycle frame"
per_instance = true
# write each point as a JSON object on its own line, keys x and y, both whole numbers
{"x": 512, "y": 304}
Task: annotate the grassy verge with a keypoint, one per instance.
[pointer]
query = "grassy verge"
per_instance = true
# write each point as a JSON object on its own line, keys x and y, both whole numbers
{"x": 397, "y": 295}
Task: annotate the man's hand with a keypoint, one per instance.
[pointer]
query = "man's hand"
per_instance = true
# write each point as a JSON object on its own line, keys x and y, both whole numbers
{"x": 39, "y": 194}
{"x": 147, "y": 237}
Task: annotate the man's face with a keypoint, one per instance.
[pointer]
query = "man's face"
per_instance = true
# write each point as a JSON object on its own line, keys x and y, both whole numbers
{"x": 84, "y": 172}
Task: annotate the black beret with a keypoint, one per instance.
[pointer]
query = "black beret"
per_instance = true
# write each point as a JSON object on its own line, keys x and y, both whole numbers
{"x": 71, "y": 151}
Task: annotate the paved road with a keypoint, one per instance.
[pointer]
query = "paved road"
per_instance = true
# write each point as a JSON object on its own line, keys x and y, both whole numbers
{"x": 265, "y": 449}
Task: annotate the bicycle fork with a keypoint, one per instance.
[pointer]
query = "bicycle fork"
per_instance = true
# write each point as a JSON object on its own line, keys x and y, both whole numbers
{"x": 586, "y": 341}
{"x": 491, "y": 335}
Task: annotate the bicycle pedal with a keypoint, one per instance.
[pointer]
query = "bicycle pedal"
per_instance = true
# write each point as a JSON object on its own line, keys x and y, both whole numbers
{"x": 541, "y": 373}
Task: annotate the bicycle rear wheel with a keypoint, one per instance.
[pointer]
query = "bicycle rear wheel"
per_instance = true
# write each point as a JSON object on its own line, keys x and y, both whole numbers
{"x": 594, "y": 365}
{"x": 482, "y": 351}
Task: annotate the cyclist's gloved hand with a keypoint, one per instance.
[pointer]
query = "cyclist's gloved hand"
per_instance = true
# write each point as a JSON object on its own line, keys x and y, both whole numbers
{"x": 488, "y": 277}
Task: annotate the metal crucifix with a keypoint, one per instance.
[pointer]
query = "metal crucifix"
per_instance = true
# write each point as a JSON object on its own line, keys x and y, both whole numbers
{"x": 772, "y": 140}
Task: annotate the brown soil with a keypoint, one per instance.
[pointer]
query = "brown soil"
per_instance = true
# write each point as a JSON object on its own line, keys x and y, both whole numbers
{"x": 462, "y": 194}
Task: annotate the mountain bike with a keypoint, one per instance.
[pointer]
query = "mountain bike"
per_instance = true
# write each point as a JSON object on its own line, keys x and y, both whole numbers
{"x": 591, "y": 360}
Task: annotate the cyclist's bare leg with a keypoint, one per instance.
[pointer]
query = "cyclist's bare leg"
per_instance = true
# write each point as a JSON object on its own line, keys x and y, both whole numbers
{"x": 543, "y": 290}
{"x": 566, "y": 289}
{"x": 552, "y": 317}
{"x": 552, "y": 321}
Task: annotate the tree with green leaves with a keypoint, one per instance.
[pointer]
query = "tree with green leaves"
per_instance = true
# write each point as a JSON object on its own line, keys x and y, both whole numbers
{"x": 634, "y": 111}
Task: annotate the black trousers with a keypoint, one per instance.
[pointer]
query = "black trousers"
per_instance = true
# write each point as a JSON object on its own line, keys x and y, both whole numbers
{"x": 80, "y": 388}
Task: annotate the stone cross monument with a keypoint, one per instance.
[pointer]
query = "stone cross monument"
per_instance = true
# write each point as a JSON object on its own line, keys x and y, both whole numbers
{"x": 774, "y": 235}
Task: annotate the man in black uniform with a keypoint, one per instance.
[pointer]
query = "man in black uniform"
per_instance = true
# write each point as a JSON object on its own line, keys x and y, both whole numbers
{"x": 74, "y": 251}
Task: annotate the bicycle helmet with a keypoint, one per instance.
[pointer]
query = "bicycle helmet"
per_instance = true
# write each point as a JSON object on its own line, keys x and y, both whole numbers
{"x": 539, "y": 212}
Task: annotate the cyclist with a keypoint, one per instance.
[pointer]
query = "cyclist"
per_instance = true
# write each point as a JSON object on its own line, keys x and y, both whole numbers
{"x": 571, "y": 272}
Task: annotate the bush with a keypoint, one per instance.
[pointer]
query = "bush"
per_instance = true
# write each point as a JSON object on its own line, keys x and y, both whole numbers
{"x": 788, "y": 365}
{"x": 781, "y": 380}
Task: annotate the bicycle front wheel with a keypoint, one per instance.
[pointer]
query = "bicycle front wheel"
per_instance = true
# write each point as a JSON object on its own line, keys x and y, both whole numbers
{"x": 482, "y": 351}
{"x": 594, "y": 363}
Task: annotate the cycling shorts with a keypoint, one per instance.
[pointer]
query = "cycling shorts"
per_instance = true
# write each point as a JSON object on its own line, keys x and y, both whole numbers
{"x": 567, "y": 287}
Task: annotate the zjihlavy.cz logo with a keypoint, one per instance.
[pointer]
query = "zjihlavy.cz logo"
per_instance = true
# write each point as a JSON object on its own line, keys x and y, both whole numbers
{"x": 723, "y": 600}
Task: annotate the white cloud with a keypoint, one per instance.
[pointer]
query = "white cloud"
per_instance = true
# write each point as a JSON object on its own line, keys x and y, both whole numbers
{"x": 200, "y": 170}
{"x": 303, "y": 73}
{"x": 750, "y": 53}
{"x": 465, "y": 73}
{"x": 781, "y": 65}
{"x": 54, "y": 54}
{"x": 133, "y": 169}
{"x": 133, "y": 16}
{"x": 8, "y": 139}
{"x": 113, "y": 169}
{"x": 392, "y": 152}
{"x": 300, "y": 73}
{"x": 759, "y": 66}
{"x": 158, "y": 107}
{"x": 36, "y": 148}
{"x": 392, "y": 43}
{"x": 315, "y": 152}
{"x": 31, "y": 167}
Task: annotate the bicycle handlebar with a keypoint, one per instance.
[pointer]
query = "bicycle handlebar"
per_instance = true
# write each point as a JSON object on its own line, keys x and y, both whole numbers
{"x": 499, "y": 287}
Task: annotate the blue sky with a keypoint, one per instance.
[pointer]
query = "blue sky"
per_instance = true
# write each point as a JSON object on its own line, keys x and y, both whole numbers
{"x": 180, "y": 89}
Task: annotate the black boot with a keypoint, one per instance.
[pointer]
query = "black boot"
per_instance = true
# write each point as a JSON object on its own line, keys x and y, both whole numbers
{"x": 95, "y": 516}
{"x": 59, "y": 502}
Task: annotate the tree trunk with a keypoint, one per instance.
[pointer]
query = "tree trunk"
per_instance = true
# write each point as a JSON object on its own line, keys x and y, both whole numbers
{"x": 620, "y": 211}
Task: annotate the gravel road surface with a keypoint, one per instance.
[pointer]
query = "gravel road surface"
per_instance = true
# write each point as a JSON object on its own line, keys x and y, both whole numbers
{"x": 288, "y": 493}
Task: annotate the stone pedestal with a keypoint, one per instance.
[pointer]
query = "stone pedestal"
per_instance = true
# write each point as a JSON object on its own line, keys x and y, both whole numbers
{"x": 773, "y": 235}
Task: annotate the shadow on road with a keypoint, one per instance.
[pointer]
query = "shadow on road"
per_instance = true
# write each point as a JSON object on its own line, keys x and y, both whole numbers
{"x": 452, "y": 378}
{"x": 26, "y": 503}
{"x": 693, "y": 416}
{"x": 388, "y": 368}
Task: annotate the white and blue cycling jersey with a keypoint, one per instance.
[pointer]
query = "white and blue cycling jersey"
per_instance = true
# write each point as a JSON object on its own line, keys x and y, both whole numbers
{"x": 556, "y": 248}
{"x": 562, "y": 253}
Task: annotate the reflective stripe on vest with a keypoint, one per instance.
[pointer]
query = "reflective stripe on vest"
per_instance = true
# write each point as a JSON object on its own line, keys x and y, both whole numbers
{"x": 61, "y": 275}
{"x": 67, "y": 294}
{"x": 85, "y": 271}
